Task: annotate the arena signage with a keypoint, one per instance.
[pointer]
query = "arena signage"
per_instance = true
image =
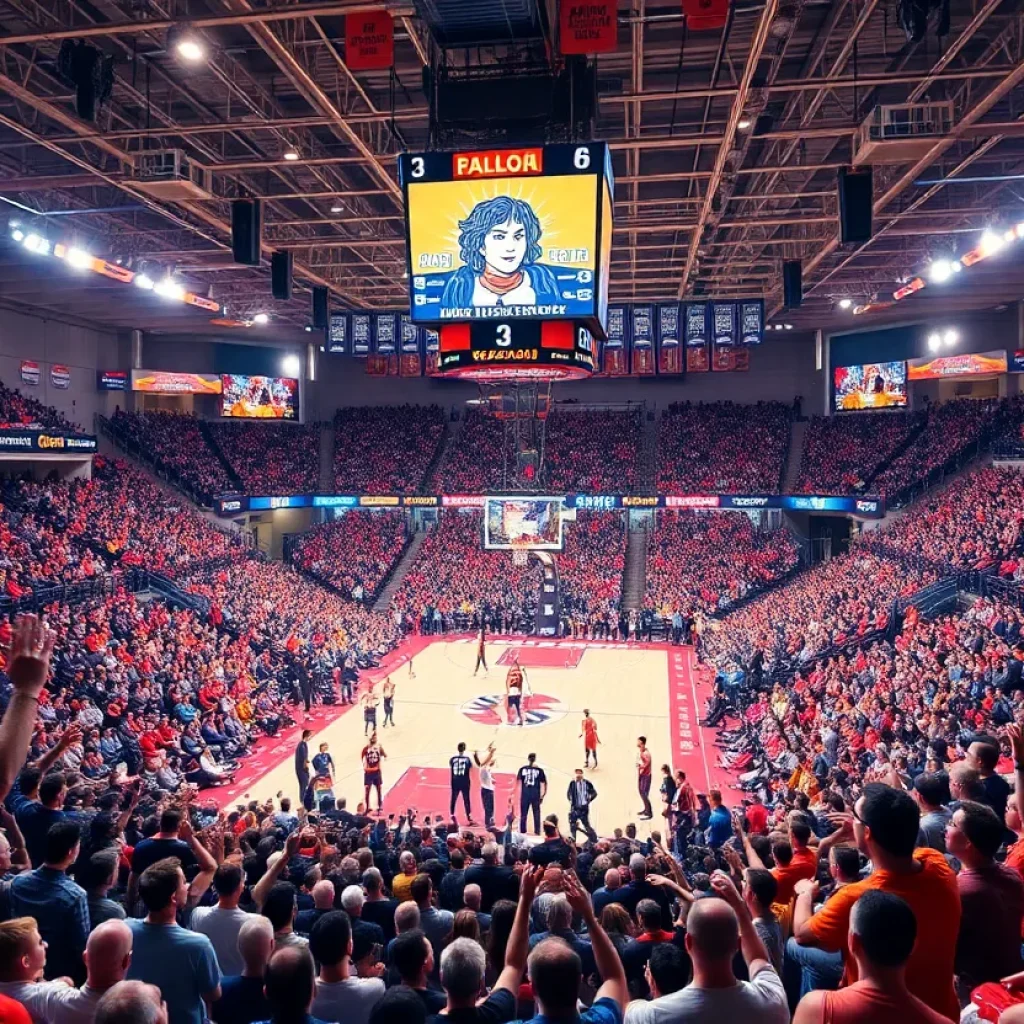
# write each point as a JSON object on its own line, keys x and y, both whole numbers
{"x": 867, "y": 507}
{"x": 47, "y": 442}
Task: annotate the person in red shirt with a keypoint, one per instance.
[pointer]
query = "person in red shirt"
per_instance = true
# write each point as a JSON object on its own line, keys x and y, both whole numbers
{"x": 883, "y": 930}
{"x": 757, "y": 816}
{"x": 588, "y": 733}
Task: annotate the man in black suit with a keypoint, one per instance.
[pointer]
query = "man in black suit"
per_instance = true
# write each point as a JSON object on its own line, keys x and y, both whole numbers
{"x": 302, "y": 765}
{"x": 581, "y": 794}
{"x": 496, "y": 882}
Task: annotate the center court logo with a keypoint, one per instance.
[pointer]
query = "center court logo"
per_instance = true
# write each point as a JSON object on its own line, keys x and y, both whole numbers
{"x": 538, "y": 709}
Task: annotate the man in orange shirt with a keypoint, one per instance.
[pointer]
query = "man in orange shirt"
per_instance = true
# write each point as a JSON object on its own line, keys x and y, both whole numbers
{"x": 794, "y": 860}
{"x": 884, "y": 825}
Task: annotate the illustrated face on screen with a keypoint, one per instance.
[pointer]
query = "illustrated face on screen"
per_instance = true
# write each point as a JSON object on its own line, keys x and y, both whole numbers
{"x": 504, "y": 247}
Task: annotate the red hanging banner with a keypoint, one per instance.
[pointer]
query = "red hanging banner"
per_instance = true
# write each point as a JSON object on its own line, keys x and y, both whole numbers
{"x": 705, "y": 15}
{"x": 588, "y": 28}
{"x": 369, "y": 41}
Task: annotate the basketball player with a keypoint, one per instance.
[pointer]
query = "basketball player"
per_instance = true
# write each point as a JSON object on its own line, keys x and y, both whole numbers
{"x": 481, "y": 650}
{"x": 643, "y": 776}
{"x": 460, "y": 765}
{"x": 486, "y": 765}
{"x": 302, "y": 764}
{"x": 588, "y": 733}
{"x": 514, "y": 691}
{"x": 532, "y": 784}
{"x": 389, "y": 702}
{"x": 369, "y": 702}
{"x": 373, "y": 754}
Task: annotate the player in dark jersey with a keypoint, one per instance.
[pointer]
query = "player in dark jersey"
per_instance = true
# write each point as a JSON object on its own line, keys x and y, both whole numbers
{"x": 373, "y": 754}
{"x": 481, "y": 650}
{"x": 460, "y": 765}
{"x": 514, "y": 691}
{"x": 533, "y": 786}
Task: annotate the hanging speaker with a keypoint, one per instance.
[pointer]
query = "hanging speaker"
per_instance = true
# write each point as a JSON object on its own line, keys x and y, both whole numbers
{"x": 792, "y": 284}
{"x": 856, "y": 199}
{"x": 320, "y": 314}
{"x": 281, "y": 275}
{"x": 246, "y": 231}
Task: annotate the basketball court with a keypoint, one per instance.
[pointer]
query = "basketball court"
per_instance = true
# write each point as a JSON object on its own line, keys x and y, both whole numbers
{"x": 653, "y": 690}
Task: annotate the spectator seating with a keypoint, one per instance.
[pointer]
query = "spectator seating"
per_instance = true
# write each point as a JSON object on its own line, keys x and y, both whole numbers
{"x": 271, "y": 458}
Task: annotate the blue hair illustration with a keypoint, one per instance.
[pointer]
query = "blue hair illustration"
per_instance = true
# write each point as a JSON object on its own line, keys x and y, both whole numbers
{"x": 487, "y": 215}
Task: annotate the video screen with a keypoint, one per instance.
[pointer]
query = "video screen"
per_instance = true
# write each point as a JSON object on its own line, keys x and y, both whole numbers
{"x": 536, "y": 522}
{"x": 870, "y": 386}
{"x": 264, "y": 398}
{"x": 514, "y": 248}
{"x": 963, "y": 364}
{"x": 162, "y": 382}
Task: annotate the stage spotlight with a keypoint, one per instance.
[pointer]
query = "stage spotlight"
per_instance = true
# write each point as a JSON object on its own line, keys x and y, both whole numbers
{"x": 261, "y": 319}
{"x": 291, "y": 366}
{"x": 788, "y": 327}
{"x": 990, "y": 243}
{"x": 934, "y": 342}
{"x": 169, "y": 289}
{"x": 79, "y": 259}
{"x": 144, "y": 282}
{"x": 939, "y": 271}
{"x": 17, "y": 234}
{"x": 191, "y": 49}
{"x": 950, "y": 337}
{"x": 845, "y": 303}
{"x": 956, "y": 266}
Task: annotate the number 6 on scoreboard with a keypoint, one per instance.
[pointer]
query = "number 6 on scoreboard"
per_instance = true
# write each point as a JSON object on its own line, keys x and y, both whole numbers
{"x": 504, "y": 335}
{"x": 581, "y": 158}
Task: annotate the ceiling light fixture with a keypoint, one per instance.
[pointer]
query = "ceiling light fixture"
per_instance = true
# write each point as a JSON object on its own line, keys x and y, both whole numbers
{"x": 17, "y": 234}
{"x": 743, "y": 123}
{"x": 337, "y": 208}
{"x": 144, "y": 281}
{"x": 79, "y": 259}
{"x": 291, "y": 366}
{"x": 845, "y": 303}
{"x": 951, "y": 337}
{"x": 291, "y": 154}
{"x": 934, "y": 342}
{"x": 990, "y": 243}
{"x": 169, "y": 289}
{"x": 191, "y": 49}
{"x": 261, "y": 319}
{"x": 939, "y": 271}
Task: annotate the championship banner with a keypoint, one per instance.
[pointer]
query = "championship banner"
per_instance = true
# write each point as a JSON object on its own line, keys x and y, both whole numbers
{"x": 751, "y": 323}
{"x": 585, "y": 28}
{"x": 723, "y": 358}
{"x": 963, "y": 364}
{"x": 369, "y": 41}
{"x": 695, "y": 336}
{"x": 741, "y": 359}
{"x": 161, "y": 382}
{"x": 643, "y": 341}
{"x": 60, "y": 377}
{"x": 411, "y": 363}
{"x": 30, "y": 372}
{"x": 670, "y": 359}
{"x": 385, "y": 333}
{"x": 723, "y": 324}
{"x": 337, "y": 335}
{"x": 361, "y": 334}
{"x": 613, "y": 363}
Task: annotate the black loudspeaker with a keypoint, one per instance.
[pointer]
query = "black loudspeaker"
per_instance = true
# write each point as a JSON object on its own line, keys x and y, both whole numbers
{"x": 281, "y": 275}
{"x": 320, "y": 314}
{"x": 856, "y": 198}
{"x": 246, "y": 231}
{"x": 792, "y": 284}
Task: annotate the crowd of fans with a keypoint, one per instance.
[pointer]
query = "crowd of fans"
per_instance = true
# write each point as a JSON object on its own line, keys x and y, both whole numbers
{"x": 593, "y": 451}
{"x": 723, "y": 448}
{"x": 706, "y": 562}
{"x": 474, "y": 462}
{"x": 275, "y": 458}
{"x": 386, "y": 449}
{"x": 455, "y": 583}
{"x": 18, "y": 411}
{"x": 590, "y": 572}
{"x": 842, "y": 453}
{"x": 355, "y": 553}
{"x": 176, "y": 445}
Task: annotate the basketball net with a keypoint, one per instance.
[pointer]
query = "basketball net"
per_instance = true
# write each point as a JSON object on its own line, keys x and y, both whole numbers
{"x": 520, "y": 556}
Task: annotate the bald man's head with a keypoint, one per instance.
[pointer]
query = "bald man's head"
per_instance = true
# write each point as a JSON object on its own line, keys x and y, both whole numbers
{"x": 323, "y": 895}
{"x": 712, "y": 932}
{"x": 555, "y": 973}
{"x": 108, "y": 954}
{"x": 255, "y": 944}
{"x": 612, "y": 878}
{"x": 131, "y": 1002}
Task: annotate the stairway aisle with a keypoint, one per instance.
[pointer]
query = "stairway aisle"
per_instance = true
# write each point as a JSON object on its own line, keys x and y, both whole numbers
{"x": 648, "y": 482}
{"x": 796, "y": 453}
{"x": 326, "y": 458}
{"x": 405, "y": 563}
{"x": 634, "y": 576}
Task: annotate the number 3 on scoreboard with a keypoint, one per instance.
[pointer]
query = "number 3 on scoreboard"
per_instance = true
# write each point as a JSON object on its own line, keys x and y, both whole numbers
{"x": 503, "y": 335}
{"x": 418, "y": 167}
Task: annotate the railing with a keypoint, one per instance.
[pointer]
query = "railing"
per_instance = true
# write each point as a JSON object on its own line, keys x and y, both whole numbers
{"x": 43, "y": 594}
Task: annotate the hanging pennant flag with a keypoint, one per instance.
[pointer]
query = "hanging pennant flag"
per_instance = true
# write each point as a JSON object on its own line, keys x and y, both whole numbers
{"x": 705, "y": 15}
{"x": 369, "y": 41}
{"x": 588, "y": 28}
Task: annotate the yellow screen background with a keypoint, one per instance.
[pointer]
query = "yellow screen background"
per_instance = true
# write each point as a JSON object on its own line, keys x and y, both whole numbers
{"x": 565, "y": 205}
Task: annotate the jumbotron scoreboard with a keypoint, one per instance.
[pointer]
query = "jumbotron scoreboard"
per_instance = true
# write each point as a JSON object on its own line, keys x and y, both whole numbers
{"x": 509, "y": 253}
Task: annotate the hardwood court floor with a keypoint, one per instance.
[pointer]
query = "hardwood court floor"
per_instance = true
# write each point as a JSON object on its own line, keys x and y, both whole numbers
{"x": 631, "y": 690}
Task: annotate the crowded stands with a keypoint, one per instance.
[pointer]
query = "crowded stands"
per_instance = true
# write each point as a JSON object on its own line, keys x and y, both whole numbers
{"x": 723, "y": 447}
{"x": 355, "y": 553}
{"x": 590, "y": 569}
{"x": 386, "y": 450}
{"x": 593, "y": 450}
{"x": 707, "y": 562}
{"x": 842, "y": 453}
{"x": 18, "y": 411}
{"x": 271, "y": 458}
